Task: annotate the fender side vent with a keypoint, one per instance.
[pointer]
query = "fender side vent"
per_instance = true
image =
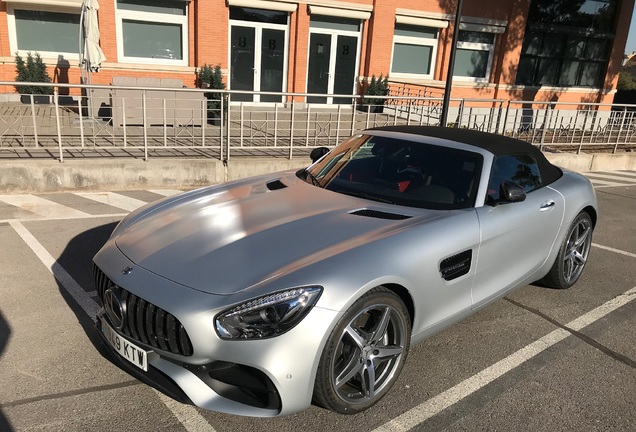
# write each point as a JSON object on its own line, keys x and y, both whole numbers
{"x": 456, "y": 266}
{"x": 379, "y": 214}
{"x": 275, "y": 185}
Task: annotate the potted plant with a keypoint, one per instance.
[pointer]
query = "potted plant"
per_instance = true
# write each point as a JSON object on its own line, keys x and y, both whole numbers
{"x": 376, "y": 87}
{"x": 32, "y": 70}
{"x": 211, "y": 77}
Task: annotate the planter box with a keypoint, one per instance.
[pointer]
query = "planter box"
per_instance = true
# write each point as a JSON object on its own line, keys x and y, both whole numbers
{"x": 38, "y": 99}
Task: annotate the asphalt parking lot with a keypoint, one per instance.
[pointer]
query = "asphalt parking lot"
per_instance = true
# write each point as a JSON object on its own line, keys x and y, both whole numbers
{"x": 539, "y": 359}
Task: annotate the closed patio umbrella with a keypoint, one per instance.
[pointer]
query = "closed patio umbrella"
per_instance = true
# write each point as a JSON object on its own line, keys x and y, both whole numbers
{"x": 91, "y": 55}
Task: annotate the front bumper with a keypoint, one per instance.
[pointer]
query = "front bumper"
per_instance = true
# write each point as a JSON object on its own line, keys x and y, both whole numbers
{"x": 260, "y": 378}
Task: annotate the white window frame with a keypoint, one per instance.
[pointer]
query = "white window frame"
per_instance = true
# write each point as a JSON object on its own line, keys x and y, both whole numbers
{"x": 418, "y": 41}
{"x": 152, "y": 17}
{"x": 13, "y": 35}
{"x": 475, "y": 46}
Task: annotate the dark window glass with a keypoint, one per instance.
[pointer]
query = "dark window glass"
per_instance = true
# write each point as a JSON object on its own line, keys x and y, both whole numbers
{"x": 525, "y": 74}
{"x": 575, "y": 47}
{"x": 552, "y": 45}
{"x": 476, "y": 37}
{"x": 569, "y": 73}
{"x": 258, "y": 15}
{"x": 531, "y": 44}
{"x": 562, "y": 59}
{"x": 471, "y": 63}
{"x": 47, "y": 31}
{"x": 567, "y": 42}
{"x": 591, "y": 14}
{"x": 591, "y": 74}
{"x": 520, "y": 169}
{"x": 547, "y": 71}
{"x": 334, "y": 23}
{"x": 596, "y": 50}
{"x": 401, "y": 172}
{"x": 415, "y": 31}
{"x": 166, "y": 6}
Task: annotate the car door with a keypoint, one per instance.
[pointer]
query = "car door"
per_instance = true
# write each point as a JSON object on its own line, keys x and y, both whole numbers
{"x": 516, "y": 238}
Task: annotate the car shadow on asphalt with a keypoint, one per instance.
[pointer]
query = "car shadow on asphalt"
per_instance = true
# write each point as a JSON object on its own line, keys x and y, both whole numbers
{"x": 77, "y": 260}
{"x": 5, "y": 335}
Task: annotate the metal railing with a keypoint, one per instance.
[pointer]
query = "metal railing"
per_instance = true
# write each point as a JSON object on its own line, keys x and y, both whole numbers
{"x": 80, "y": 121}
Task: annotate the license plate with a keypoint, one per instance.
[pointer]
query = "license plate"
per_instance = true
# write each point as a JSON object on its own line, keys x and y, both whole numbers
{"x": 125, "y": 348}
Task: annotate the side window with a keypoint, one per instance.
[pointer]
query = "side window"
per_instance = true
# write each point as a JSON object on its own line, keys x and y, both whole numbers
{"x": 520, "y": 169}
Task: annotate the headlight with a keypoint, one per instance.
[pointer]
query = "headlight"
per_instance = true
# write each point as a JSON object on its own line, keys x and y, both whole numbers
{"x": 267, "y": 316}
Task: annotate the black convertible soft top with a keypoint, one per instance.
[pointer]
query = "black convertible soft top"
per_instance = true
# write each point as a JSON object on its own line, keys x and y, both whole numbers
{"x": 496, "y": 144}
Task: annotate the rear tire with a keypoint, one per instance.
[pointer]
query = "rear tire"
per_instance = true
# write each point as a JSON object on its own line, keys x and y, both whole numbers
{"x": 364, "y": 354}
{"x": 573, "y": 254}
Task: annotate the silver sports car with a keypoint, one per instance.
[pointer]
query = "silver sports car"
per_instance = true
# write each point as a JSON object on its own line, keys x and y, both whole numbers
{"x": 262, "y": 295}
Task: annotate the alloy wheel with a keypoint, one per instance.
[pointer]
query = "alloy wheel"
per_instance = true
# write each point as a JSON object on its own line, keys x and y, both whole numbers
{"x": 368, "y": 353}
{"x": 577, "y": 250}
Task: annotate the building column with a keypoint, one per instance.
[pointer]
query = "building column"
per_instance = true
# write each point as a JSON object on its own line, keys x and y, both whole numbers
{"x": 379, "y": 46}
{"x": 623, "y": 20}
{"x": 508, "y": 50}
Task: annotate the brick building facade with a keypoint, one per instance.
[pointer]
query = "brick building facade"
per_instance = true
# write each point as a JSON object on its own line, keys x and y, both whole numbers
{"x": 514, "y": 49}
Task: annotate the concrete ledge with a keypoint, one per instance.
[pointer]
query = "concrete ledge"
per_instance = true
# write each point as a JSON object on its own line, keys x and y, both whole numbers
{"x": 573, "y": 162}
{"x": 594, "y": 162}
{"x": 20, "y": 176}
{"x": 104, "y": 174}
{"x": 615, "y": 161}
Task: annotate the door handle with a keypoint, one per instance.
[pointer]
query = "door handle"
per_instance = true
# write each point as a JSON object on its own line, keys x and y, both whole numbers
{"x": 547, "y": 205}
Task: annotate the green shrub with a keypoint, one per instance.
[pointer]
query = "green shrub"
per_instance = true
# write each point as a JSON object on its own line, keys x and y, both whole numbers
{"x": 212, "y": 77}
{"x": 32, "y": 70}
{"x": 376, "y": 87}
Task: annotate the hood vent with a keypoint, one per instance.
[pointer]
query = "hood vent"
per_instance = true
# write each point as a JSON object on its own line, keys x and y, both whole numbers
{"x": 275, "y": 185}
{"x": 379, "y": 214}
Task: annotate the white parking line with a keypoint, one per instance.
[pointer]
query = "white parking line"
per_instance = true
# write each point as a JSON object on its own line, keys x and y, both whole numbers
{"x": 42, "y": 207}
{"x": 186, "y": 414}
{"x": 629, "y": 254}
{"x": 601, "y": 183}
{"x": 70, "y": 285}
{"x": 419, "y": 414}
{"x": 113, "y": 199}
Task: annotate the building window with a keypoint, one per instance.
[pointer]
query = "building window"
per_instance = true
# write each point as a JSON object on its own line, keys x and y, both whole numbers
{"x": 152, "y": 32}
{"x": 596, "y": 15}
{"x": 46, "y": 32}
{"x": 414, "y": 51}
{"x": 474, "y": 55}
{"x": 567, "y": 44}
{"x": 562, "y": 60}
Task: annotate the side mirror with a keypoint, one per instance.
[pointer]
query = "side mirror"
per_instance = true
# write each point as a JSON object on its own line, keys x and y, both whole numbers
{"x": 510, "y": 192}
{"x": 317, "y": 153}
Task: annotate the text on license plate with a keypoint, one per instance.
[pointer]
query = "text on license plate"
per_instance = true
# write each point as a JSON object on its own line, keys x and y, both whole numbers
{"x": 125, "y": 348}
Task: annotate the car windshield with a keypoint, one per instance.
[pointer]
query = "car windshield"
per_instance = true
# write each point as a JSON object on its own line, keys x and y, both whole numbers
{"x": 401, "y": 172}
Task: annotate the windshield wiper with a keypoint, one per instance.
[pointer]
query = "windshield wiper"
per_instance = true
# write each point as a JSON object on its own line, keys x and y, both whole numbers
{"x": 313, "y": 178}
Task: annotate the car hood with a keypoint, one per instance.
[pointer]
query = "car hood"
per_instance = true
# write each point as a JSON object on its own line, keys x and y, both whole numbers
{"x": 229, "y": 239}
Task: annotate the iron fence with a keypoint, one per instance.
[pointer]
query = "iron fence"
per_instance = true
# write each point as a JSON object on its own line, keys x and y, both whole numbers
{"x": 126, "y": 121}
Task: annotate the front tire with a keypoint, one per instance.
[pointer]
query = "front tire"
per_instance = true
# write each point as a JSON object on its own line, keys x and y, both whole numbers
{"x": 364, "y": 354}
{"x": 573, "y": 254}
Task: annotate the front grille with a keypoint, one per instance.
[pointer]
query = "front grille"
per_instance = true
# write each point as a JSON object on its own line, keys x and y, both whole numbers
{"x": 145, "y": 322}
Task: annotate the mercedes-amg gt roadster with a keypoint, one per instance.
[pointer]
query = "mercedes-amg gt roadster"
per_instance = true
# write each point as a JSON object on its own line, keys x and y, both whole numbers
{"x": 263, "y": 295}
